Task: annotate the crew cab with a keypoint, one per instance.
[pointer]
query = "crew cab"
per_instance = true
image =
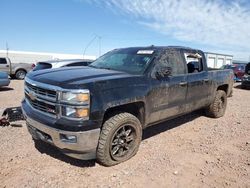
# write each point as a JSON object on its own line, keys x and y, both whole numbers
{"x": 100, "y": 111}
{"x": 15, "y": 70}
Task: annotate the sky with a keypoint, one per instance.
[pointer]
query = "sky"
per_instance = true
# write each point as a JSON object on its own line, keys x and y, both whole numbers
{"x": 93, "y": 27}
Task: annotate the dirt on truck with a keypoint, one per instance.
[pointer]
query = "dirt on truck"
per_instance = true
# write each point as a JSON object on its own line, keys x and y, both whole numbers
{"x": 100, "y": 111}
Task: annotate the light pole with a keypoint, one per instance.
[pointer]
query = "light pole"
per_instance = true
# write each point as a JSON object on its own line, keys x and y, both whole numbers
{"x": 7, "y": 50}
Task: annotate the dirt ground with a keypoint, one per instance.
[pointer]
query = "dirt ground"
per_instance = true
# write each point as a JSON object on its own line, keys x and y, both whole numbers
{"x": 191, "y": 151}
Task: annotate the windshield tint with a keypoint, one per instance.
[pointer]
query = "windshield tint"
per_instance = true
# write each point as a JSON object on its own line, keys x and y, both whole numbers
{"x": 40, "y": 66}
{"x": 131, "y": 60}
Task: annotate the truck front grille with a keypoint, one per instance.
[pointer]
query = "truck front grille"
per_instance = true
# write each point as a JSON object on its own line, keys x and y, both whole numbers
{"x": 41, "y": 91}
{"x": 41, "y": 99}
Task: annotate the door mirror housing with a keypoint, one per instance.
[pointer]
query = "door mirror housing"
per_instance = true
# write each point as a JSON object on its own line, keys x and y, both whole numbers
{"x": 163, "y": 72}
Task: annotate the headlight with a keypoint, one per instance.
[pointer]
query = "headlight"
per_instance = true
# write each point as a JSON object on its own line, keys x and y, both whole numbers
{"x": 76, "y": 97}
{"x": 75, "y": 112}
{"x": 75, "y": 104}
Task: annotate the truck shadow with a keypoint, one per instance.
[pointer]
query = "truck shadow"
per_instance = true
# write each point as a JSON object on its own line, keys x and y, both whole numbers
{"x": 239, "y": 87}
{"x": 5, "y": 89}
{"x": 147, "y": 133}
{"x": 45, "y": 148}
{"x": 170, "y": 124}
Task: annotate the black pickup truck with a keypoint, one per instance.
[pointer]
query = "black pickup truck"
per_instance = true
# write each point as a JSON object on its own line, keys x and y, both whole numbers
{"x": 100, "y": 111}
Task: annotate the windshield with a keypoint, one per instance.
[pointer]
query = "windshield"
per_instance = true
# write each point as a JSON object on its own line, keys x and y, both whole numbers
{"x": 131, "y": 60}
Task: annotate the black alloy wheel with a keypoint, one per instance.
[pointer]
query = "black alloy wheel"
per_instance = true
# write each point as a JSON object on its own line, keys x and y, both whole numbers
{"x": 123, "y": 142}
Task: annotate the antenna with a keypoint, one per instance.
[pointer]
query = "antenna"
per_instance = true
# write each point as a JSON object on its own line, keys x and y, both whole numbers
{"x": 91, "y": 41}
{"x": 7, "y": 50}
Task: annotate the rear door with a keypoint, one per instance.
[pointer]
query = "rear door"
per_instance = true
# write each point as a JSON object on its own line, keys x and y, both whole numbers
{"x": 4, "y": 65}
{"x": 199, "y": 83}
{"x": 168, "y": 95}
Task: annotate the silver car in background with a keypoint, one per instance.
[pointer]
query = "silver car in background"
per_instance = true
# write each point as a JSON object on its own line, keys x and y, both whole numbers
{"x": 15, "y": 70}
{"x": 61, "y": 63}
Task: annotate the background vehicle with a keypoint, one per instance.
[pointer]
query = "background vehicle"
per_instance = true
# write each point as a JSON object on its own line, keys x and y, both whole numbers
{"x": 99, "y": 111}
{"x": 246, "y": 78}
{"x": 17, "y": 71}
{"x": 4, "y": 79}
{"x": 61, "y": 63}
{"x": 239, "y": 70}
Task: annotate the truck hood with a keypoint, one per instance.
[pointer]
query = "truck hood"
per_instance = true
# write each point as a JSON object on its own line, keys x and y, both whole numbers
{"x": 75, "y": 77}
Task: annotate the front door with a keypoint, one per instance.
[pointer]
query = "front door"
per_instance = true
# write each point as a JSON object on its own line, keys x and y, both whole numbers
{"x": 168, "y": 95}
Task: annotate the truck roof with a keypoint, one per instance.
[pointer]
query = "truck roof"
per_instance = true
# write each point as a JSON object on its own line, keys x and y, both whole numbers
{"x": 152, "y": 47}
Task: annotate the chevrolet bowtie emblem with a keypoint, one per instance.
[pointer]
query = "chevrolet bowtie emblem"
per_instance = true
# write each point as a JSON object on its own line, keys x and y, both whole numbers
{"x": 32, "y": 95}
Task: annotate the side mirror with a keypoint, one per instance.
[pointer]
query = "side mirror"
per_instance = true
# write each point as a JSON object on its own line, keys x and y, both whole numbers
{"x": 163, "y": 72}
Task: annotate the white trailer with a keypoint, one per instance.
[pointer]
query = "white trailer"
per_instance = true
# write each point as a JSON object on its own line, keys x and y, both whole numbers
{"x": 34, "y": 57}
{"x": 215, "y": 60}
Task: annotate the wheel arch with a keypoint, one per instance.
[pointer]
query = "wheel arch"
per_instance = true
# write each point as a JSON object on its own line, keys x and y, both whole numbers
{"x": 223, "y": 88}
{"x": 137, "y": 109}
{"x": 18, "y": 69}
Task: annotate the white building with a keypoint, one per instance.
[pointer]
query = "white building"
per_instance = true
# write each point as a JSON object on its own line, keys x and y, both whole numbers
{"x": 215, "y": 60}
{"x": 34, "y": 57}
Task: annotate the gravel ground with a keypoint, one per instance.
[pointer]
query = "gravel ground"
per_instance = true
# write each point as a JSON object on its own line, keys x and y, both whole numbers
{"x": 191, "y": 151}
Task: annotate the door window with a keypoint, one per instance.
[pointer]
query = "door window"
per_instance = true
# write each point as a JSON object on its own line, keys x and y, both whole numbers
{"x": 172, "y": 59}
{"x": 3, "y": 61}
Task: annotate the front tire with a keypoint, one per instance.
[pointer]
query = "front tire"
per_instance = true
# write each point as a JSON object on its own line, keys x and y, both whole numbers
{"x": 218, "y": 107}
{"x": 119, "y": 139}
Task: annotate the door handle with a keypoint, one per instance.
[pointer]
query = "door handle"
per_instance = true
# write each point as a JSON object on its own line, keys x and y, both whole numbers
{"x": 7, "y": 66}
{"x": 183, "y": 83}
{"x": 206, "y": 80}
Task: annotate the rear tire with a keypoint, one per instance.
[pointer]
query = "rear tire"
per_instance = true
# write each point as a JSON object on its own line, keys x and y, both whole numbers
{"x": 119, "y": 139}
{"x": 20, "y": 74}
{"x": 218, "y": 107}
{"x": 243, "y": 86}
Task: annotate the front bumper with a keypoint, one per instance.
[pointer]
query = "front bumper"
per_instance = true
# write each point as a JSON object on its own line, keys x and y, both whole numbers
{"x": 82, "y": 147}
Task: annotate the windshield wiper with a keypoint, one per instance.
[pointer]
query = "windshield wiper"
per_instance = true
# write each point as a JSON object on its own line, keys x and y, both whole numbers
{"x": 107, "y": 68}
{"x": 92, "y": 66}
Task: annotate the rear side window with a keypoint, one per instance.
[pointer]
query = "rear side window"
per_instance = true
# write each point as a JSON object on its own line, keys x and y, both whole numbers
{"x": 173, "y": 59}
{"x": 41, "y": 66}
{"x": 194, "y": 62}
{"x": 3, "y": 61}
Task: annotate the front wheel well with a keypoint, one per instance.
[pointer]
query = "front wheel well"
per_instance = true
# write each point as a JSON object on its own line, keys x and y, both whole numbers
{"x": 137, "y": 109}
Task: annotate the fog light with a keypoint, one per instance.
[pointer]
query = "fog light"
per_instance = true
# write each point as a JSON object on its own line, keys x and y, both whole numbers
{"x": 68, "y": 138}
{"x": 82, "y": 112}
